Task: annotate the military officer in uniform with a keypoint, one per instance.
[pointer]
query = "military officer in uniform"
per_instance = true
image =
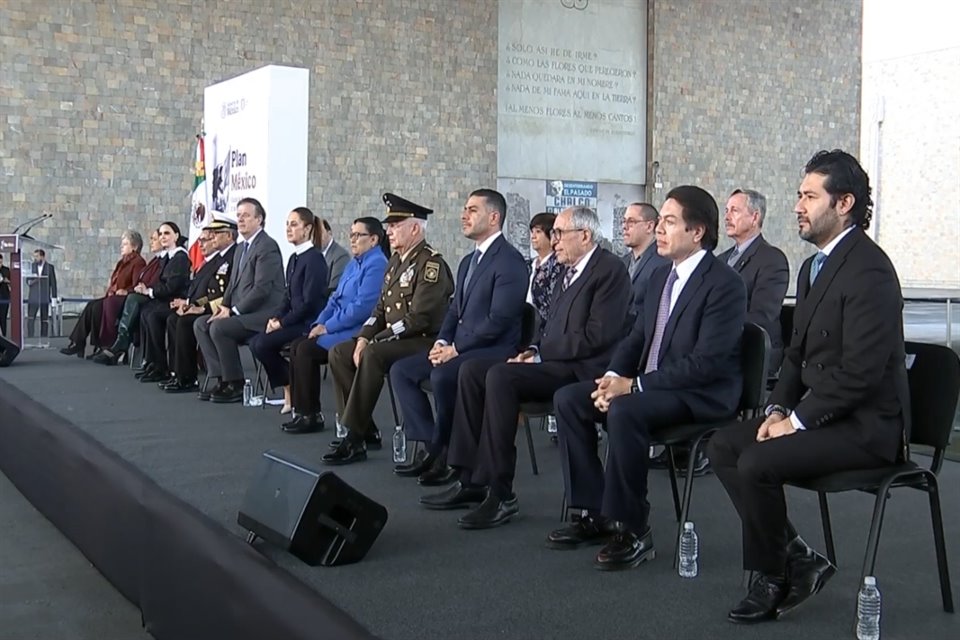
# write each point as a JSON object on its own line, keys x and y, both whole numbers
{"x": 204, "y": 297}
{"x": 413, "y": 301}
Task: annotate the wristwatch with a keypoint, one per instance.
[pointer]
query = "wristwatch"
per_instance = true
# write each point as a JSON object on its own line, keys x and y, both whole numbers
{"x": 635, "y": 385}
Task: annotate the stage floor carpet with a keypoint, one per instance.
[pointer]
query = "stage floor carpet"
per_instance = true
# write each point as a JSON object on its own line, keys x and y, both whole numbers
{"x": 426, "y": 578}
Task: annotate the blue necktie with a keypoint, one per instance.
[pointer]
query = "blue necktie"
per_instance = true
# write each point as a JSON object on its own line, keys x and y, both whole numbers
{"x": 243, "y": 254}
{"x": 816, "y": 265}
{"x": 470, "y": 268}
{"x": 663, "y": 315}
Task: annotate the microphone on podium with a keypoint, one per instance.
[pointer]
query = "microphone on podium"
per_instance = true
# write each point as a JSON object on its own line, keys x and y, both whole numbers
{"x": 30, "y": 224}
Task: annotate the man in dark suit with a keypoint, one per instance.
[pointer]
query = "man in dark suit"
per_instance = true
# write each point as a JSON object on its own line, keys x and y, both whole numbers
{"x": 762, "y": 266}
{"x": 337, "y": 257}
{"x": 639, "y": 226}
{"x": 218, "y": 244}
{"x": 413, "y": 303}
{"x": 43, "y": 289}
{"x": 4, "y": 295}
{"x": 255, "y": 290}
{"x": 576, "y": 339}
{"x": 484, "y": 321}
{"x": 680, "y": 363}
{"x": 841, "y": 402}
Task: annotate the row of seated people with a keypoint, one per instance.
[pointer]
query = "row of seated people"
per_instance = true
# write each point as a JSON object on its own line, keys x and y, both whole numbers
{"x": 838, "y": 402}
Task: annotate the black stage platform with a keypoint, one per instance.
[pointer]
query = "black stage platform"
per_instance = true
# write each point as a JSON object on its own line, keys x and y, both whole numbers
{"x": 148, "y": 485}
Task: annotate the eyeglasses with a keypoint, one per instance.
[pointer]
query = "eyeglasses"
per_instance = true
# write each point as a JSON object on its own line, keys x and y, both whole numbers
{"x": 357, "y": 236}
{"x": 558, "y": 233}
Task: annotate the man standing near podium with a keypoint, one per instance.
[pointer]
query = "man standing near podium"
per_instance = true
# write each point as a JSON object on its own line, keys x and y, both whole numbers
{"x": 43, "y": 289}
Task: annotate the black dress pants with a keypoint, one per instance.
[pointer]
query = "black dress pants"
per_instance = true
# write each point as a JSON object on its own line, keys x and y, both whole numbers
{"x": 306, "y": 358}
{"x": 88, "y": 325}
{"x": 753, "y": 473}
{"x": 182, "y": 346}
{"x": 489, "y": 395}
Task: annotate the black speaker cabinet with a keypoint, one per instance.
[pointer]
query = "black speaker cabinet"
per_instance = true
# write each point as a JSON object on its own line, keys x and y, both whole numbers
{"x": 316, "y": 516}
{"x": 8, "y": 351}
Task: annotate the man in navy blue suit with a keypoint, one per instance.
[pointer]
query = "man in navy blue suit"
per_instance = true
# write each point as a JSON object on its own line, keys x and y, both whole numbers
{"x": 681, "y": 362}
{"x": 484, "y": 320}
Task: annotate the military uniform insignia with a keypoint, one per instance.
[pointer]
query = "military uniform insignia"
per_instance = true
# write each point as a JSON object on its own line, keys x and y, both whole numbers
{"x": 370, "y": 322}
{"x": 431, "y": 271}
{"x": 406, "y": 277}
{"x": 223, "y": 269}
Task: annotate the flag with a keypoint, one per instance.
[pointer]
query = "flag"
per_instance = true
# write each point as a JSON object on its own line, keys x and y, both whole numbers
{"x": 199, "y": 210}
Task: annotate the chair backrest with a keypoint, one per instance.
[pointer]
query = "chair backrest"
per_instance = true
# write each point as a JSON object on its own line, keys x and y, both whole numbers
{"x": 528, "y": 327}
{"x": 754, "y": 356}
{"x": 934, "y": 377}
{"x": 786, "y": 322}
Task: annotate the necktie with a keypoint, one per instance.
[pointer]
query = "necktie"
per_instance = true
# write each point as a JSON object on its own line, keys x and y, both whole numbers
{"x": 732, "y": 260}
{"x": 470, "y": 268}
{"x": 243, "y": 254}
{"x": 663, "y": 314}
{"x": 816, "y": 265}
{"x": 568, "y": 277}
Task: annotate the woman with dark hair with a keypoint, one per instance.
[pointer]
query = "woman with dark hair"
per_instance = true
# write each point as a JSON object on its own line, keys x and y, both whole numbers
{"x": 130, "y": 265}
{"x": 172, "y": 282}
{"x": 346, "y": 311}
{"x": 305, "y": 296}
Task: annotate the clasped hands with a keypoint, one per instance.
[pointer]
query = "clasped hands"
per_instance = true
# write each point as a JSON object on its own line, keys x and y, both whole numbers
{"x": 776, "y": 425}
{"x": 608, "y": 388}
{"x": 441, "y": 353}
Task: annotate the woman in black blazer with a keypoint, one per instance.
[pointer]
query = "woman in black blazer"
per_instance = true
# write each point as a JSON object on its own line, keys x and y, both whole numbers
{"x": 172, "y": 283}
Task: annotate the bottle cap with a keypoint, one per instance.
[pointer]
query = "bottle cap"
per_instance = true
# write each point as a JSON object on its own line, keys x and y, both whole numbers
{"x": 688, "y": 526}
{"x": 870, "y": 581}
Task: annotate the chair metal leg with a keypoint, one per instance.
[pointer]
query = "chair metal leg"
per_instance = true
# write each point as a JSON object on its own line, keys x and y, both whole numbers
{"x": 936, "y": 517}
{"x": 827, "y": 529}
{"x": 873, "y": 539}
{"x": 393, "y": 402}
{"x": 563, "y": 508}
{"x": 687, "y": 493}
{"x": 525, "y": 425}
{"x": 672, "y": 470}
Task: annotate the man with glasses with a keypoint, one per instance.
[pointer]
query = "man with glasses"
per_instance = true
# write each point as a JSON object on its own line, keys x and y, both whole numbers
{"x": 254, "y": 293}
{"x": 639, "y": 225}
{"x": 218, "y": 244}
{"x": 483, "y": 321}
{"x": 413, "y": 301}
{"x": 575, "y": 343}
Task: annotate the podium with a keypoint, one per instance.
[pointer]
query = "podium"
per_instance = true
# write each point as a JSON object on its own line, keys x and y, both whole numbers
{"x": 26, "y": 290}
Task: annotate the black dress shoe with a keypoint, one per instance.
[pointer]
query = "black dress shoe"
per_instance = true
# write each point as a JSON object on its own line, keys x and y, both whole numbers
{"x": 73, "y": 350}
{"x": 206, "y": 393}
{"x": 180, "y": 386}
{"x": 625, "y": 551}
{"x": 765, "y": 595}
{"x": 807, "y": 572}
{"x": 422, "y": 462}
{"x": 150, "y": 369}
{"x": 456, "y": 496}
{"x": 107, "y": 357}
{"x": 347, "y": 453}
{"x": 94, "y": 353}
{"x": 156, "y": 375}
{"x": 438, "y": 475}
{"x": 372, "y": 440}
{"x": 586, "y": 530}
{"x": 304, "y": 424}
{"x": 228, "y": 393}
{"x": 492, "y": 512}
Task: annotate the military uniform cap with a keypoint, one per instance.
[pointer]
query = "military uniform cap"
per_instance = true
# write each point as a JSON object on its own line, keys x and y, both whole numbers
{"x": 221, "y": 224}
{"x": 400, "y": 209}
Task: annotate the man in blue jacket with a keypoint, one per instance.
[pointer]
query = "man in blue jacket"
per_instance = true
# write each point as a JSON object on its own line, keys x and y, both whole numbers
{"x": 484, "y": 320}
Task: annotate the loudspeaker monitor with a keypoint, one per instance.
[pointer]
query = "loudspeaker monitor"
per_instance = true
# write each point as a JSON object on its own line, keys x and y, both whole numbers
{"x": 316, "y": 516}
{"x": 8, "y": 351}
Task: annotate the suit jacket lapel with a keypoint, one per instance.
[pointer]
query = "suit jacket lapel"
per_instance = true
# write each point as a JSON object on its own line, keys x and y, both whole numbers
{"x": 749, "y": 253}
{"x": 485, "y": 261}
{"x": 813, "y": 295}
{"x": 403, "y": 266}
{"x": 689, "y": 291}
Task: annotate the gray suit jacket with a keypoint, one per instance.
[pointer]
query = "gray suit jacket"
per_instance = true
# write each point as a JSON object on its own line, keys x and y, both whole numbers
{"x": 337, "y": 260}
{"x": 766, "y": 274}
{"x": 256, "y": 286}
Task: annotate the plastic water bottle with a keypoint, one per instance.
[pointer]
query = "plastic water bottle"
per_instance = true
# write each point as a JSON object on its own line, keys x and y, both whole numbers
{"x": 868, "y": 610}
{"x": 551, "y": 424}
{"x": 247, "y": 392}
{"x": 689, "y": 551}
{"x": 341, "y": 430}
{"x": 399, "y": 445}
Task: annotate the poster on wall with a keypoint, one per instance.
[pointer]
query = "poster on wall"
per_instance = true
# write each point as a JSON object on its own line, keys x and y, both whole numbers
{"x": 526, "y": 198}
{"x": 256, "y": 146}
{"x": 571, "y": 90}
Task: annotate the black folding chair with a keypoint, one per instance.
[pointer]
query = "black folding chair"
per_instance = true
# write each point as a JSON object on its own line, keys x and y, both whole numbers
{"x": 754, "y": 355}
{"x": 934, "y": 377}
